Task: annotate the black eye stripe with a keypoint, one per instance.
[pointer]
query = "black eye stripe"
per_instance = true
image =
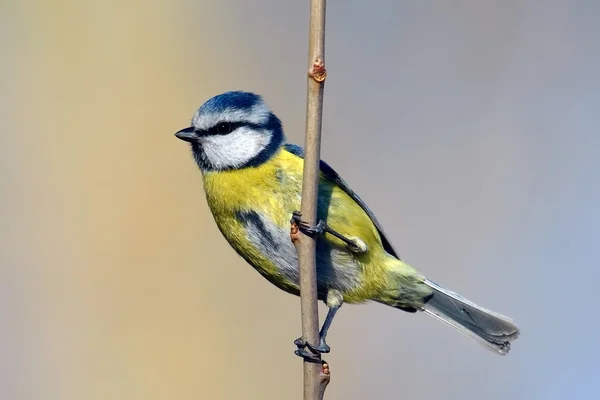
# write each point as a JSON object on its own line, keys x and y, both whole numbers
{"x": 232, "y": 126}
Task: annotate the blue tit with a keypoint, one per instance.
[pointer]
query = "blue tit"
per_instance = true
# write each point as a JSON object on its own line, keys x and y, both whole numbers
{"x": 253, "y": 183}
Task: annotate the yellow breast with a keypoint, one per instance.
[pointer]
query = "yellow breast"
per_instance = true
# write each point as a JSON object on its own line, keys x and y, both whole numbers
{"x": 272, "y": 186}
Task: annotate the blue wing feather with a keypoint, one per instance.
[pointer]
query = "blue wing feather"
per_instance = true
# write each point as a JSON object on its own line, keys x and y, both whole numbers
{"x": 332, "y": 175}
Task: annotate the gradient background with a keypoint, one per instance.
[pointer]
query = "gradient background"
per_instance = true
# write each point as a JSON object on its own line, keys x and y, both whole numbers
{"x": 470, "y": 127}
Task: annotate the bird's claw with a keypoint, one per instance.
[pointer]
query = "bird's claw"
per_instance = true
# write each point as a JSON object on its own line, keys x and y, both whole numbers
{"x": 302, "y": 344}
{"x": 307, "y": 356}
{"x": 305, "y": 228}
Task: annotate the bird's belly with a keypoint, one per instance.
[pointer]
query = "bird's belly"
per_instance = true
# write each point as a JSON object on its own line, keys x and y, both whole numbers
{"x": 266, "y": 245}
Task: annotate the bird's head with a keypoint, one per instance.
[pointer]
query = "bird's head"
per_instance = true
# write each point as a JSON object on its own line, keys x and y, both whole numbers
{"x": 233, "y": 130}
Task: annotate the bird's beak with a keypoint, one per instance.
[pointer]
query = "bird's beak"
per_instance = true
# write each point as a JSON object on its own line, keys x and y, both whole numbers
{"x": 187, "y": 135}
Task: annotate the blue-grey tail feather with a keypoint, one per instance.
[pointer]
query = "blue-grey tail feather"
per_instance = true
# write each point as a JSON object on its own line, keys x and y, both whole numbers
{"x": 493, "y": 330}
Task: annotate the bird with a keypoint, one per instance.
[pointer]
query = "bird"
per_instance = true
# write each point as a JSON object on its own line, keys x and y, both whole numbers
{"x": 253, "y": 184}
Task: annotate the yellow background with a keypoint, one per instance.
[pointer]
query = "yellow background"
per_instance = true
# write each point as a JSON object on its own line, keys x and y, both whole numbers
{"x": 470, "y": 127}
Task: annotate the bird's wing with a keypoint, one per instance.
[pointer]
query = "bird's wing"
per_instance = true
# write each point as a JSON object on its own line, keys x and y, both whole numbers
{"x": 331, "y": 174}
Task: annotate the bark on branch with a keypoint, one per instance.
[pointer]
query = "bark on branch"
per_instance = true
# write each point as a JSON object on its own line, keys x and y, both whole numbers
{"x": 316, "y": 374}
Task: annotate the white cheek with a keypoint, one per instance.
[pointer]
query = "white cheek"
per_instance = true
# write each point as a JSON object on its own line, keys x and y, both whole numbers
{"x": 235, "y": 149}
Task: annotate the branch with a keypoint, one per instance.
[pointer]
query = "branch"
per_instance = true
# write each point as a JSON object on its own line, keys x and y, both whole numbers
{"x": 316, "y": 375}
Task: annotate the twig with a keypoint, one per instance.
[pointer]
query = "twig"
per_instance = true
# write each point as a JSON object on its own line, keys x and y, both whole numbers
{"x": 316, "y": 375}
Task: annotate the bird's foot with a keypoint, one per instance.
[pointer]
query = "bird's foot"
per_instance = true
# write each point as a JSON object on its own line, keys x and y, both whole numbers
{"x": 302, "y": 345}
{"x": 355, "y": 244}
{"x": 305, "y": 228}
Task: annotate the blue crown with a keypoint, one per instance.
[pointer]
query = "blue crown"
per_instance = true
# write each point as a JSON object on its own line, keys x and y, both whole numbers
{"x": 236, "y": 100}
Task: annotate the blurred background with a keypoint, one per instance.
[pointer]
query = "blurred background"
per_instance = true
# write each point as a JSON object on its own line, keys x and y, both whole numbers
{"x": 470, "y": 127}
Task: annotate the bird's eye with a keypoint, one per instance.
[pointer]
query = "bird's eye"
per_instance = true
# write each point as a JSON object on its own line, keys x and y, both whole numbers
{"x": 224, "y": 128}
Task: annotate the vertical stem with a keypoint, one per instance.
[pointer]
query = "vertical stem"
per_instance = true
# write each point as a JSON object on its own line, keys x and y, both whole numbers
{"x": 313, "y": 378}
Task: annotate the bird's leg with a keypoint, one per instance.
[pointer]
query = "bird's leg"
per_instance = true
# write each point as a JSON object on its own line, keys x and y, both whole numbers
{"x": 334, "y": 302}
{"x": 356, "y": 245}
{"x": 323, "y": 347}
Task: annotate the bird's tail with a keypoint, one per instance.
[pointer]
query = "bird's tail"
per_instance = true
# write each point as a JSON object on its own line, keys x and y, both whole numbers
{"x": 491, "y": 329}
